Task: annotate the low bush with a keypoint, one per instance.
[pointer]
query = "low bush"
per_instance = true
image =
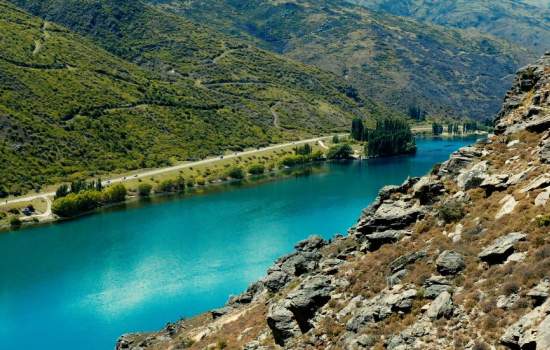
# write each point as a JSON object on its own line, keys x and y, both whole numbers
{"x": 451, "y": 211}
{"x": 15, "y": 222}
{"x": 144, "y": 189}
{"x": 256, "y": 169}
{"x": 171, "y": 185}
{"x": 236, "y": 173}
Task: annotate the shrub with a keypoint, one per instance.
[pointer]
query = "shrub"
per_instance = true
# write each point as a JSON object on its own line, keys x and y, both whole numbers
{"x": 292, "y": 160}
{"x": 3, "y": 215}
{"x": 144, "y": 189}
{"x": 15, "y": 222}
{"x": 236, "y": 173}
{"x": 451, "y": 211}
{"x": 171, "y": 185}
{"x": 340, "y": 151}
{"x": 335, "y": 139}
{"x": 114, "y": 194}
{"x": 543, "y": 220}
{"x": 256, "y": 169}
{"x": 200, "y": 181}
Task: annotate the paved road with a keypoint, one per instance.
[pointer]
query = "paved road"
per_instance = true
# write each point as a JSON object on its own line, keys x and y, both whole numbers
{"x": 149, "y": 173}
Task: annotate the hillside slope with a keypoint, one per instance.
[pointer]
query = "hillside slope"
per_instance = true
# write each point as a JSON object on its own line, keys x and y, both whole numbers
{"x": 457, "y": 259}
{"x": 69, "y": 108}
{"x": 395, "y": 60}
{"x": 525, "y": 23}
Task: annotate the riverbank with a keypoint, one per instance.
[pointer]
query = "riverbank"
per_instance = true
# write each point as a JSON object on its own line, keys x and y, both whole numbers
{"x": 201, "y": 169}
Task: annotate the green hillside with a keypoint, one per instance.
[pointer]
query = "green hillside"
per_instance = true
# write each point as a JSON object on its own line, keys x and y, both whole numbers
{"x": 523, "y": 22}
{"x": 392, "y": 59}
{"x": 69, "y": 108}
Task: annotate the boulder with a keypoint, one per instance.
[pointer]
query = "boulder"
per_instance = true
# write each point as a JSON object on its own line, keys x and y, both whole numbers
{"x": 311, "y": 244}
{"x": 540, "y": 292}
{"x": 407, "y": 339}
{"x": 391, "y": 215}
{"x": 427, "y": 189}
{"x": 382, "y": 306}
{"x": 458, "y": 161}
{"x": 539, "y": 182}
{"x": 276, "y": 280}
{"x": 543, "y": 197}
{"x": 282, "y": 323}
{"x": 531, "y": 331}
{"x": 442, "y": 306}
{"x": 436, "y": 285}
{"x": 502, "y": 247}
{"x": 290, "y": 316}
{"x": 544, "y": 151}
{"x": 407, "y": 259}
{"x": 312, "y": 295}
{"x": 508, "y": 205}
{"x": 507, "y": 302}
{"x": 450, "y": 263}
{"x": 298, "y": 263}
{"x": 377, "y": 239}
{"x": 473, "y": 177}
{"x": 492, "y": 183}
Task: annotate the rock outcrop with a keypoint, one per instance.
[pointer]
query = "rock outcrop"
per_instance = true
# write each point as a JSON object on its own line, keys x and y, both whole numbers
{"x": 458, "y": 259}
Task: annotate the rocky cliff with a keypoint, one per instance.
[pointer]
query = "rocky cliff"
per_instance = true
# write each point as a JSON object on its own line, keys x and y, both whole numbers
{"x": 457, "y": 259}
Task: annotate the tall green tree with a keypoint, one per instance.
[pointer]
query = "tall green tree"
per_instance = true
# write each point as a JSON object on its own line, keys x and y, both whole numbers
{"x": 357, "y": 129}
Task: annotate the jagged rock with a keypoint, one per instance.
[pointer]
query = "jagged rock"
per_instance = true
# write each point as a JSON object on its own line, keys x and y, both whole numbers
{"x": 407, "y": 338}
{"x": 377, "y": 239}
{"x": 543, "y": 197}
{"x": 312, "y": 294}
{"x": 473, "y": 177}
{"x": 501, "y": 248}
{"x": 407, "y": 259}
{"x": 290, "y": 316}
{"x": 382, "y": 306}
{"x": 492, "y": 183}
{"x": 435, "y": 285}
{"x": 507, "y": 302}
{"x": 540, "y": 292}
{"x": 539, "y": 182}
{"x": 276, "y": 280}
{"x": 458, "y": 161}
{"x": 427, "y": 189}
{"x": 508, "y": 205}
{"x": 395, "y": 278}
{"x": 298, "y": 263}
{"x": 450, "y": 263}
{"x": 330, "y": 266}
{"x": 216, "y": 313}
{"x": 313, "y": 243}
{"x": 282, "y": 323}
{"x": 544, "y": 149}
{"x": 531, "y": 331}
{"x": 391, "y": 215}
{"x": 517, "y": 178}
{"x": 442, "y": 306}
{"x": 363, "y": 341}
{"x": 352, "y": 305}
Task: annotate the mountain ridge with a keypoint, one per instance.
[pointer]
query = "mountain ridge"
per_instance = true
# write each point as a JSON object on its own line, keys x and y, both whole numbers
{"x": 397, "y": 61}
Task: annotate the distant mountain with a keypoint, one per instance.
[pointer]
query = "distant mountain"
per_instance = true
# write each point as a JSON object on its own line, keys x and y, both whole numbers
{"x": 523, "y": 22}
{"x": 176, "y": 90}
{"x": 395, "y": 60}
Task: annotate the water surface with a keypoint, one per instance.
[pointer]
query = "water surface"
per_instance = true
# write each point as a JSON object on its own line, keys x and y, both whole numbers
{"x": 82, "y": 283}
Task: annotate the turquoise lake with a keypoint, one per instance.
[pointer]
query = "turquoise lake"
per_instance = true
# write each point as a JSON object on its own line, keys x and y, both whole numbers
{"x": 82, "y": 283}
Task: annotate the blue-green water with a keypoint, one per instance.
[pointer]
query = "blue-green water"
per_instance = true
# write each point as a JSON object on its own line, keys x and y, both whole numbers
{"x": 82, "y": 283}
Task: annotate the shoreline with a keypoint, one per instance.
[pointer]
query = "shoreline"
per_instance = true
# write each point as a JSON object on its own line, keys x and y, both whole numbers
{"x": 209, "y": 188}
